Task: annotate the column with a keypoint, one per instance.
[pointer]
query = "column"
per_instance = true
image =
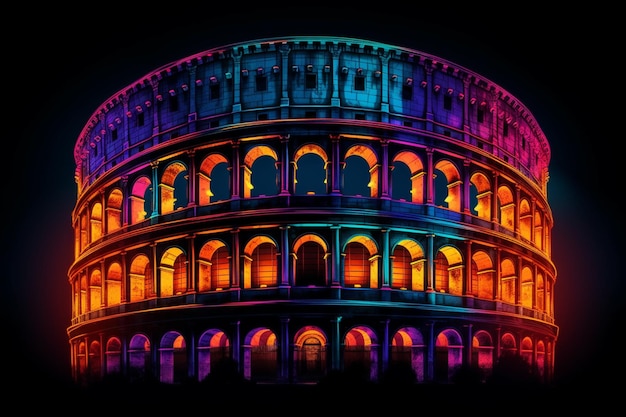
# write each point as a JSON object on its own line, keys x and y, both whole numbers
{"x": 192, "y": 188}
{"x": 285, "y": 348}
{"x": 335, "y": 268}
{"x": 386, "y": 263}
{"x": 155, "y": 188}
{"x": 285, "y": 280}
{"x": 385, "y": 191}
{"x": 192, "y": 276}
{"x": 235, "y": 171}
{"x": 429, "y": 176}
{"x": 284, "y": 165}
{"x": 335, "y": 166}
{"x": 335, "y": 344}
{"x": 236, "y": 257}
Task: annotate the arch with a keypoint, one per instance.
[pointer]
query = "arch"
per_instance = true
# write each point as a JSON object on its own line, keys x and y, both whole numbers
{"x": 541, "y": 359}
{"x": 482, "y": 353}
{"x": 526, "y": 350}
{"x": 408, "y": 350}
{"x": 360, "y": 353}
{"x": 538, "y": 230}
{"x": 540, "y": 292}
{"x": 309, "y": 355}
{"x": 173, "y": 272}
{"x": 481, "y": 207}
{"x": 482, "y": 275}
{"x": 214, "y": 266}
{"x": 213, "y": 350}
{"x": 260, "y": 174}
{"x": 407, "y": 265}
{"x": 95, "y": 361}
{"x": 174, "y": 187}
{"x": 173, "y": 361}
{"x": 312, "y": 161}
{"x": 525, "y": 220}
{"x": 141, "y": 199}
{"x": 354, "y": 176}
{"x": 139, "y": 363}
{"x": 260, "y": 355}
{"x": 416, "y": 173}
{"x": 310, "y": 252}
{"x": 213, "y": 167}
{"x": 447, "y": 185}
{"x": 361, "y": 262}
{"x": 508, "y": 345}
{"x": 114, "y": 210}
{"x": 506, "y": 207}
{"x": 528, "y": 287}
{"x": 448, "y": 355}
{"x": 260, "y": 265}
{"x": 95, "y": 221}
{"x": 95, "y": 290}
{"x": 449, "y": 270}
{"x": 141, "y": 278}
{"x": 114, "y": 284}
{"x": 508, "y": 280}
{"x": 113, "y": 355}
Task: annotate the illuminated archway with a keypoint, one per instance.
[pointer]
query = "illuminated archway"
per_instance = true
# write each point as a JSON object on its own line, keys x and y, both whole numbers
{"x": 139, "y": 363}
{"x": 213, "y": 179}
{"x": 407, "y": 266}
{"x": 506, "y": 207}
{"x": 260, "y": 173}
{"x": 447, "y": 181}
{"x": 482, "y": 204}
{"x": 141, "y": 279}
{"x": 174, "y": 186}
{"x": 213, "y": 266}
{"x": 114, "y": 210}
{"x": 310, "y": 254}
{"x": 95, "y": 221}
{"x": 309, "y": 355}
{"x": 173, "y": 364}
{"x": 361, "y": 262}
{"x": 449, "y": 270}
{"x": 113, "y": 356}
{"x": 360, "y": 353}
{"x": 310, "y": 170}
{"x": 482, "y": 353}
{"x": 353, "y": 177}
{"x": 416, "y": 173}
{"x": 448, "y": 355}
{"x": 260, "y": 265}
{"x": 213, "y": 349}
{"x": 408, "y": 350}
{"x": 508, "y": 280}
{"x": 260, "y": 355}
{"x": 173, "y": 272}
{"x": 482, "y": 275}
{"x": 141, "y": 200}
{"x": 114, "y": 284}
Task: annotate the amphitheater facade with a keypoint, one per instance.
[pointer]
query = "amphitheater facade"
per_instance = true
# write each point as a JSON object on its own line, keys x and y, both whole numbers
{"x": 305, "y": 205}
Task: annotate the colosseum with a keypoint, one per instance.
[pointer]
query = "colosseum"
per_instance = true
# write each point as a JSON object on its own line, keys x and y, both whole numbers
{"x": 307, "y": 205}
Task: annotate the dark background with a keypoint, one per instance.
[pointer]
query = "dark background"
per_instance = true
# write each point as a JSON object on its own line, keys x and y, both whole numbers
{"x": 63, "y": 64}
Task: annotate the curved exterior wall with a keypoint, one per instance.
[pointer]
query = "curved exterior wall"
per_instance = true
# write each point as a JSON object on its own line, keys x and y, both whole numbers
{"x": 310, "y": 204}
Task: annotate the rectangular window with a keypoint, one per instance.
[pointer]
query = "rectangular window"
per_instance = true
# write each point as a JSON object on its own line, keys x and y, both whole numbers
{"x": 480, "y": 115}
{"x": 114, "y": 134}
{"x": 214, "y": 90}
{"x": 140, "y": 119}
{"x": 407, "y": 92}
{"x": 505, "y": 129}
{"x": 173, "y": 103}
{"x": 359, "y": 82}
{"x": 311, "y": 81}
{"x": 447, "y": 102}
{"x": 262, "y": 116}
{"x": 310, "y": 114}
{"x": 261, "y": 83}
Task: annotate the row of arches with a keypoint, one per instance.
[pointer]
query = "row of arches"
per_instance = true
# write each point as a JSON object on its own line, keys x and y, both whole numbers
{"x": 301, "y": 258}
{"x": 409, "y": 175}
{"x": 269, "y": 355}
